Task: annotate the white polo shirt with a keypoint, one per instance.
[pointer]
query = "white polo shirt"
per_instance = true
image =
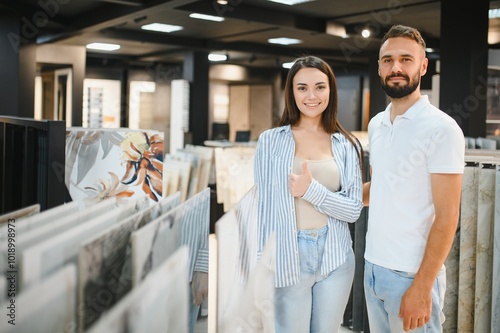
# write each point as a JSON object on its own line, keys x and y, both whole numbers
{"x": 403, "y": 154}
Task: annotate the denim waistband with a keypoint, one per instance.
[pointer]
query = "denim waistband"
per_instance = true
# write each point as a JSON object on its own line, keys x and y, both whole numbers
{"x": 312, "y": 234}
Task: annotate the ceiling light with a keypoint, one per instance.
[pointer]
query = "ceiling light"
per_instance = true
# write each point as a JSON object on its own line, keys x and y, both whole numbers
{"x": 336, "y": 29}
{"x": 222, "y": 2}
{"x": 494, "y": 13}
{"x": 291, "y": 2}
{"x": 103, "y": 46}
{"x": 288, "y": 65}
{"x": 160, "y": 27}
{"x": 206, "y": 17}
{"x": 366, "y": 32}
{"x": 217, "y": 57}
{"x": 284, "y": 41}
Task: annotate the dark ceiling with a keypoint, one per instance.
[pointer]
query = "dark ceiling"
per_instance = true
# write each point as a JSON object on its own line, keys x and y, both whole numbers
{"x": 242, "y": 35}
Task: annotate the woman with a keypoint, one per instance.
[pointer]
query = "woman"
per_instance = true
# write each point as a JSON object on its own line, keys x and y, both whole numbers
{"x": 308, "y": 176}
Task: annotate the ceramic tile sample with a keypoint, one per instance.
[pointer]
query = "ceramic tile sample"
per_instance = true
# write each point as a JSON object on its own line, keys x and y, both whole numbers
{"x": 495, "y": 292}
{"x": 196, "y": 164}
{"x": 186, "y": 224}
{"x": 484, "y": 249}
{"x": 245, "y": 286}
{"x": 43, "y": 258}
{"x": 102, "y": 163}
{"x": 3, "y": 288}
{"x": 50, "y": 229}
{"x": 184, "y": 169}
{"x": 206, "y": 154}
{"x": 48, "y": 306}
{"x": 468, "y": 240}
{"x": 171, "y": 178}
{"x": 450, "y": 308}
{"x": 20, "y": 213}
{"x": 43, "y": 218}
{"x": 234, "y": 174}
{"x": 158, "y": 304}
{"x": 105, "y": 262}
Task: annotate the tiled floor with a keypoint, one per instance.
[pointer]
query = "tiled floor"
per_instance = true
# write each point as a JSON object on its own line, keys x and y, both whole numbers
{"x": 201, "y": 327}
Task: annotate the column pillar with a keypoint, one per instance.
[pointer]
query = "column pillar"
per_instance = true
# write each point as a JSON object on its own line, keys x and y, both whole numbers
{"x": 195, "y": 70}
{"x": 464, "y": 64}
{"x": 18, "y": 67}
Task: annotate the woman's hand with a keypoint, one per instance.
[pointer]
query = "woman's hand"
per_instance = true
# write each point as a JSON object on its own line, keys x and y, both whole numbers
{"x": 300, "y": 183}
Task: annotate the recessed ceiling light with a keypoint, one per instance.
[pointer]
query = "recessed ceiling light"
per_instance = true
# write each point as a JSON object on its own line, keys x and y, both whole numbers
{"x": 103, "y": 46}
{"x": 217, "y": 57}
{"x": 366, "y": 33}
{"x": 160, "y": 27}
{"x": 284, "y": 41}
{"x": 291, "y": 2}
{"x": 206, "y": 17}
{"x": 288, "y": 65}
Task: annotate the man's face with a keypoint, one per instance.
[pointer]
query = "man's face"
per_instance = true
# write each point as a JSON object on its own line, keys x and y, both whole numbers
{"x": 401, "y": 65}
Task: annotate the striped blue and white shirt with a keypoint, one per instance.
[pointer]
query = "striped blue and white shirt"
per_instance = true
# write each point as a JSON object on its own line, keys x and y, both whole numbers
{"x": 273, "y": 164}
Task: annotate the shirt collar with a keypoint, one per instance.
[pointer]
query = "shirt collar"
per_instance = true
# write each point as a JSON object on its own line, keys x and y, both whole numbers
{"x": 411, "y": 113}
{"x": 288, "y": 130}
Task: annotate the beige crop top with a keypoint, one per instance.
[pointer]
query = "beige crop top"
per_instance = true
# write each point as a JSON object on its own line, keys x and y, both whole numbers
{"x": 326, "y": 172}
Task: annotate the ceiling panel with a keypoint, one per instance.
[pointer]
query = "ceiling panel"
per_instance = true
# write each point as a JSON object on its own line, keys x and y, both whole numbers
{"x": 244, "y": 33}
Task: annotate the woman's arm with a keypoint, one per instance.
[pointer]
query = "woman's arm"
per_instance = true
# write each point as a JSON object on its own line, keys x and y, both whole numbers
{"x": 346, "y": 204}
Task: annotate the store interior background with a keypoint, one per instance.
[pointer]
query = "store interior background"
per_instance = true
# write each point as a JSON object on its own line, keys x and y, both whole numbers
{"x": 50, "y": 74}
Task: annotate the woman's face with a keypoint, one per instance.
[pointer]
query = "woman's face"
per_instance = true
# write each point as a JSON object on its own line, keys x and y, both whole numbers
{"x": 311, "y": 91}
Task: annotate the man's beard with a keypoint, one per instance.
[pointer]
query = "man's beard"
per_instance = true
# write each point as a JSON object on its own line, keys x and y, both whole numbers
{"x": 400, "y": 91}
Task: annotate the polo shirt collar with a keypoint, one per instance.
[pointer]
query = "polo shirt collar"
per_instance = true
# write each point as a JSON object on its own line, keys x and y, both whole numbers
{"x": 410, "y": 114}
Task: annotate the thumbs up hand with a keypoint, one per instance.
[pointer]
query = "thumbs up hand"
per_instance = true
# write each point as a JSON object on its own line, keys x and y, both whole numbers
{"x": 300, "y": 183}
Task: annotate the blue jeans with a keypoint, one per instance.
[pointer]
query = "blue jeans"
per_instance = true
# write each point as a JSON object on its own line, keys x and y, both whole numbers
{"x": 317, "y": 303}
{"x": 384, "y": 289}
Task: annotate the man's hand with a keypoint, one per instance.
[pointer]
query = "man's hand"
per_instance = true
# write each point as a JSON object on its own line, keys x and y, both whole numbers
{"x": 300, "y": 183}
{"x": 416, "y": 307}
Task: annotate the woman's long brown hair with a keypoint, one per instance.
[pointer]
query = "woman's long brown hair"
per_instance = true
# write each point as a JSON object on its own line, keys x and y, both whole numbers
{"x": 329, "y": 120}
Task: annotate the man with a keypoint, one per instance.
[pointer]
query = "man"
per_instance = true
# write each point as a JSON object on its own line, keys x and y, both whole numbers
{"x": 417, "y": 162}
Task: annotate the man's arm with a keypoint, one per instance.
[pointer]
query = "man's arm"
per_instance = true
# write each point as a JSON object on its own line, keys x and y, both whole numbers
{"x": 366, "y": 191}
{"x": 416, "y": 304}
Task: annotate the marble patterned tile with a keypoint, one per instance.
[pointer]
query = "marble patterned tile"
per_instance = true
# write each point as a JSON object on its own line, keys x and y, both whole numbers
{"x": 41, "y": 259}
{"x": 468, "y": 240}
{"x": 32, "y": 236}
{"x": 105, "y": 263}
{"x": 450, "y": 308}
{"x": 3, "y": 288}
{"x": 47, "y": 306}
{"x": 159, "y": 302}
{"x": 43, "y": 218}
{"x": 495, "y": 293}
{"x": 187, "y": 224}
{"x": 484, "y": 249}
{"x": 20, "y": 213}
